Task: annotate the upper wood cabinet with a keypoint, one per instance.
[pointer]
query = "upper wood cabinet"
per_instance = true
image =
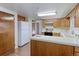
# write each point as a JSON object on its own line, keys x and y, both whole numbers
{"x": 72, "y": 13}
{"x": 57, "y": 23}
{"x": 66, "y": 22}
{"x": 22, "y": 18}
{"x": 75, "y": 13}
{"x": 62, "y": 23}
{"x": 77, "y": 16}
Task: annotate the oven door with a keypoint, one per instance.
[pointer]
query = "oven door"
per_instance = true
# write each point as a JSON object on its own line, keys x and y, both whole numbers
{"x": 48, "y": 33}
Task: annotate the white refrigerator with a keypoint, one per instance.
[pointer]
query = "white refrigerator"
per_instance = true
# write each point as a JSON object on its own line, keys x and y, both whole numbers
{"x": 23, "y": 36}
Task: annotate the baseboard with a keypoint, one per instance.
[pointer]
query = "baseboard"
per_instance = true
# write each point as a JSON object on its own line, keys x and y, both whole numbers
{"x": 24, "y": 44}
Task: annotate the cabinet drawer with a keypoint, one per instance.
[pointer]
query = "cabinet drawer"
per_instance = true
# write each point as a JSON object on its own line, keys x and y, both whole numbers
{"x": 77, "y": 49}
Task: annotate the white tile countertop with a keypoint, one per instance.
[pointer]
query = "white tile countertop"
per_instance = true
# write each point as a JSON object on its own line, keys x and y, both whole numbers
{"x": 73, "y": 41}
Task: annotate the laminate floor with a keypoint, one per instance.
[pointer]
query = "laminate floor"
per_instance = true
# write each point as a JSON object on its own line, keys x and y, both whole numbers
{"x": 22, "y": 51}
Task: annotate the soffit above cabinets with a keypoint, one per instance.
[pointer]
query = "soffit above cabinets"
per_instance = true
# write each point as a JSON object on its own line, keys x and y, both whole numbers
{"x": 6, "y": 16}
{"x": 31, "y": 9}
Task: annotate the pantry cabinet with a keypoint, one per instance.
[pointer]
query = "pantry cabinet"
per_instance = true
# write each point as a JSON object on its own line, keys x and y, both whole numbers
{"x": 7, "y": 42}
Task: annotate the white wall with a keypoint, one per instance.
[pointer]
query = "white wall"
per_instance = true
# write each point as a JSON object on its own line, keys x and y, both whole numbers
{"x": 30, "y": 28}
{"x": 72, "y": 24}
{"x": 40, "y": 26}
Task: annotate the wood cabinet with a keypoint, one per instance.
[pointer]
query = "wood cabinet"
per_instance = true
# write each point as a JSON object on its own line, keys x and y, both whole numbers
{"x": 62, "y": 23}
{"x": 66, "y": 22}
{"x": 77, "y": 16}
{"x": 22, "y": 18}
{"x": 59, "y": 50}
{"x": 75, "y": 13}
{"x": 76, "y": 52}
{"x": 57, "y": 23}
{"x": 7, "y": 42}
{"x": 39, "y": 48}
{"x": 1, "y": 44}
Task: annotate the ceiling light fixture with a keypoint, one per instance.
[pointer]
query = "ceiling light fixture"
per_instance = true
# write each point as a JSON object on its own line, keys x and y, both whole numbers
{"x": 8, "y": 18}
{"x": 47, "y": 13}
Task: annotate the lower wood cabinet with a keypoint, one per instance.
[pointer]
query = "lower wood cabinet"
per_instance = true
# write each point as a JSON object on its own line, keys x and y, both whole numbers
{"x": 39, "y": 48}
{"x": 76, "y": 52}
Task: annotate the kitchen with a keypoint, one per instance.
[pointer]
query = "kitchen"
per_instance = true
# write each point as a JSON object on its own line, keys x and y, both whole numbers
{"x": 49, "y": 29}
{"x": 59, "y": 37}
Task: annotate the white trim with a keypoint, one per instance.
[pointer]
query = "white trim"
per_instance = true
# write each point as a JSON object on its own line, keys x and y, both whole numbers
{"x": 16, "y": 23}
{"x": 7, "y": 10}
{"x": 68, "y": 10}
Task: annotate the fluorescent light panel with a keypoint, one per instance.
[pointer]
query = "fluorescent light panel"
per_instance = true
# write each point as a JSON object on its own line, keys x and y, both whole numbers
{"x": 47, "y": 13}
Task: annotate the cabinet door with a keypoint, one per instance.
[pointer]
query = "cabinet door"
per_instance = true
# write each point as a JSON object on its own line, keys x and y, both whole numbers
{"x": 76, "y": 54}
{"x": 67, "y": 50}
{"x": 77, "y": 16}
{"x": 57, "y": 23}
{"x": 59, "y": 50}
{"x": 53, "y": 49}
{"x": 38, "y": 48}
{"x": 7, "y": 31}
{"x": 65, "y": 23}
{"x": 1, "y": 43}
{"x": 8, "y": 37}
{"x": 42, "y": 48}
{"x": 34, "y": 48}
{"x": 77, "y": 49}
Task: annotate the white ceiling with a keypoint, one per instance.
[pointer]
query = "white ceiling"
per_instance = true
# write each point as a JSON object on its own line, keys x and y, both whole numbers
{"x": 31, "y": 9}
